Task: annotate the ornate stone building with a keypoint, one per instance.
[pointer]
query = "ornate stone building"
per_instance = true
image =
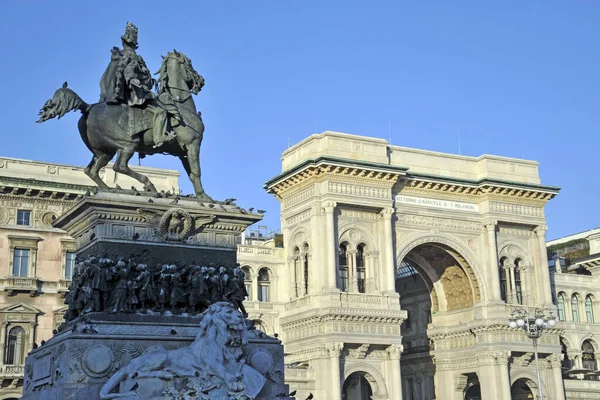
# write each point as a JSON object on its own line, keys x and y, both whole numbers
{"x": 401, "y": 268}
{"x": 398, "y": 271}
{"x": 575, "y": 274}
{"x": 36, "y": 260}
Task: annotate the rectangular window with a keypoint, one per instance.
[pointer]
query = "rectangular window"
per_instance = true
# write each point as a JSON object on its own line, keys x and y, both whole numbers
{"x": 20, "y": 262}
{"x": 23, "y": 217}
{"x": 407, "y": 320}
{"x": 428, "y": 316}
{"x": 343, "y": 272}
{"x": 248, "y": 290}
{"x": 263, "y": 292}
{"x": 69, "y": 265}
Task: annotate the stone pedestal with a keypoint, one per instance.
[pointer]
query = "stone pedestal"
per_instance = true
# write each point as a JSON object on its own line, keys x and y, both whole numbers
{"x": 78, "y": 361}
{"x": 99, "y": 346}
{"x": 167, "y": 229}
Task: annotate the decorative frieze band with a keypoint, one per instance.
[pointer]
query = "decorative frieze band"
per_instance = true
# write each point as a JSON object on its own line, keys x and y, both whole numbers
{"x": 359, "y": 190}
{"x": 518, "y": 209}
{"x": 442, "y": 223}
{"x": 299, "y": 197}
{"x": 298, "y": 217}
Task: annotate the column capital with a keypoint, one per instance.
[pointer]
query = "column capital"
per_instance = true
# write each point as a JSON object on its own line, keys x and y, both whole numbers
{"x": 490, "y": 224}
{"x": 540, "y": 230}
{"x": 329, "y": 206}
{"x": 335, "y": 349}
{"x": 555, "y": 360}
{"x": 394, "y": 351}
{"x": 387, "y": 212}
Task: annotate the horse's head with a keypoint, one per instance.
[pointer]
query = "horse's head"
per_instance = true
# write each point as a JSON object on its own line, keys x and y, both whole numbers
{"x": 176, "y": 68}
{"x": 63, "y": 101}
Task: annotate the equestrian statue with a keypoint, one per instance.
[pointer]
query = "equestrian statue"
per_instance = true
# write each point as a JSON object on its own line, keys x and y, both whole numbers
{"x": 137, "y": 113}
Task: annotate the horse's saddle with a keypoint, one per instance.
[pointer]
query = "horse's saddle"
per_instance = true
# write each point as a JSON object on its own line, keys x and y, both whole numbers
{"x": 137, "y": 120}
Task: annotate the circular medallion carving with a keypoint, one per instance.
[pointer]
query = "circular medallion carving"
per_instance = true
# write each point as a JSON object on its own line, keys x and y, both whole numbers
{"x": 353, "y": 234}
{"x": 48, "y": 218}
{"x": 97, "y": 361}
{"x": 261, "y": 360}
{"x": 2, "y": 163}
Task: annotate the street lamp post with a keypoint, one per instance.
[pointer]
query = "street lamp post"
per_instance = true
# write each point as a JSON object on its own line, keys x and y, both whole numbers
{"x": 533, "y": 324}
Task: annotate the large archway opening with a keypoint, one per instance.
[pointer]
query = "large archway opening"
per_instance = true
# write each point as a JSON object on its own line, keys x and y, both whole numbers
{"x": 522, "y": 389}
{"x": 357, "y": 387}
{"x": 432, "y": 280}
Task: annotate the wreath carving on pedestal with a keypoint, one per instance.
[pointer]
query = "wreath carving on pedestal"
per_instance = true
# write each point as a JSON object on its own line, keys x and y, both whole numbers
{"x": 175, "y": 224}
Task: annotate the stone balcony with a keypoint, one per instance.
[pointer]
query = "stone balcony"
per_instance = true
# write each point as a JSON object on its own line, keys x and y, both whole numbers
{"x": 13, "y": 284}
{"x": 11, "y": 371}
{"x": 582, "y": 389}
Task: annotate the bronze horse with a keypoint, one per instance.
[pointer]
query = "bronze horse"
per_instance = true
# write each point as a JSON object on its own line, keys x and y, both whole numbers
{"x": 108, "y": 129}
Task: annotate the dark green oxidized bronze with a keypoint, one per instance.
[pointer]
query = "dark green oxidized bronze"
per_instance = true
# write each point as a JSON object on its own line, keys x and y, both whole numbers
{"x": 131, "y": 117}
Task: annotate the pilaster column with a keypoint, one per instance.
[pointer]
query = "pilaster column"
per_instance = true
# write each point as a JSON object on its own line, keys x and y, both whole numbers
{"x": 513, "y": 283}
{"x": 371, "y": 272}
{"x": 540, "y": 233}
{"x": 395, "y": 380}
{"x": 352, "y": 273}
{"x": 3, "y": 333}
{"x": 330, "y": 235}
{"x": 509, "y": 283}
{"x": 555, "y": 362}
{"x": 290, "y": 282}
{"x": 335, "y": 350}
{"x": 526, "y": 281}
{"x": 389, "y": 263}
{"x": 254, "y": 286}
{"x": 493, "y": 271}
{"x": 493, "y": 374}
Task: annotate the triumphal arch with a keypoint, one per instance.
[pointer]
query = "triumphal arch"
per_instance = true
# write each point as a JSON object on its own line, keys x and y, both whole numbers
{"x": 403, "y": 267}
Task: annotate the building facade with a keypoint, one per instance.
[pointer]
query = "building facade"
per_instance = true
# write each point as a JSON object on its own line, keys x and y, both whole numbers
{"x": 37, "y": 260}
{"x": 395, "y": 278}
{"x": 401, "y": 268}
{"x": 575, "y": 279}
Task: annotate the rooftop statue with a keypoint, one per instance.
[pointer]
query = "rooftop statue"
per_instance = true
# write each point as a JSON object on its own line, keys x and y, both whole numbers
{"x": 131, "y": 117}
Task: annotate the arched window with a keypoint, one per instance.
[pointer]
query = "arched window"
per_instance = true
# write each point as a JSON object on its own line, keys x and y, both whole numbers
{"x": 575, "y": 308}
{"x": 247, "y": 282}
{"x": 503, "y": 281}
{"x": 561, "y": 307}
{"x": 588, "y": 357}
{"x": 15, "y": 347}
{"x": 343, "y": 267}
{"x": 518, "y": 288}
{"x": 360, "y": 268}
{"x": 305, "y": 269}
{"x": 263, "y": 285}
{"x": 589, "y": 311}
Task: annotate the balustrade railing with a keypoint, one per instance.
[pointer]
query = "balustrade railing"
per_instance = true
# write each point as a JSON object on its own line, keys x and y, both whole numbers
{"x": 12, "y": 370}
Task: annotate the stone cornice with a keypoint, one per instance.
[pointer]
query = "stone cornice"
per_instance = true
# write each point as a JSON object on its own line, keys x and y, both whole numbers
{"x": 337, "y": 168}
{"x": 482, "y": 189}
{"x": 9, "y": 184}
{"x": 383, "y": 174}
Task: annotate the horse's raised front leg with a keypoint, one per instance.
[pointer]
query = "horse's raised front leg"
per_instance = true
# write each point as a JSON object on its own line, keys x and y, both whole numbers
{"x": 98, "y": 162}
{"x": 121, "y": 166}
{"x": 192, "y": 167}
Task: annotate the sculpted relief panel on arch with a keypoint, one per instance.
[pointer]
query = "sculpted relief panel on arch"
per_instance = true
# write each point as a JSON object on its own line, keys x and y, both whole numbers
{"x": 457, "y": 288}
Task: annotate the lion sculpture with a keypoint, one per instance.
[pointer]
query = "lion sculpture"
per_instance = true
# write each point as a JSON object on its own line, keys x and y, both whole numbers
{"x": 211, "y": 367}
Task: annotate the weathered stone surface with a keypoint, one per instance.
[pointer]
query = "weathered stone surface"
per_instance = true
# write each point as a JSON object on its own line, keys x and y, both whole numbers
{"x": 77, "y": 362}
{"x": 167, "y": 228}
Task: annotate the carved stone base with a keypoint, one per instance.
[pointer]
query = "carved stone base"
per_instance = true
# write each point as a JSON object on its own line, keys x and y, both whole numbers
{"x": 79, "y": 360}
{"x": 165, "y": 229}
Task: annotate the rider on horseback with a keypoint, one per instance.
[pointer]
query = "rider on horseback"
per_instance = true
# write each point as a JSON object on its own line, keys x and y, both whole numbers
{"x": 127, "y": 80}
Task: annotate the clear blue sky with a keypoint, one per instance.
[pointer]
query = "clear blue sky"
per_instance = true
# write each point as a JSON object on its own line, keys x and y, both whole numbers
{"x": 513, "y": 78}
